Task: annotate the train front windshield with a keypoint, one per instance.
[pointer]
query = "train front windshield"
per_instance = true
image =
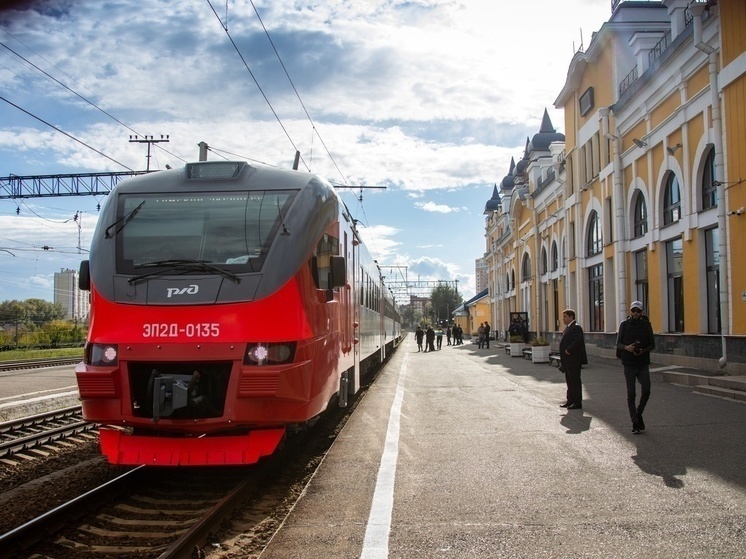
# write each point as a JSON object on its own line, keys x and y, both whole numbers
{"x": 231, "y": 230}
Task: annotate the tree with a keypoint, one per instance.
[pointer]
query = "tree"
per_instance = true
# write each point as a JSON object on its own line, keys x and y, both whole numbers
{"x": 40, "y": 311}
{"x": 31, "y": 312}
{"x": 12, "y": 312}
{"x": 445, "y": 299}
{"x": 411, "y": 317}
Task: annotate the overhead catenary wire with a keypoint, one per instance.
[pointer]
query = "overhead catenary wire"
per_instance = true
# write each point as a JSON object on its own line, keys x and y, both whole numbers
{"x": 85, "y": 99}
{"x": 113, "y": 117}
{"x": 218, "y": 152}
{"x": 52, "y": 126}
{"x": 266, "y": 32}
{"x": 300, "y": 100}
{"x": 246, "y": 65}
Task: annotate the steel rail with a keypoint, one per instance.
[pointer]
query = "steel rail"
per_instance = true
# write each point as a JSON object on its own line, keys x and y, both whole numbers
{"x": 199, "y": 534}
{"x": 16, "y": 444}
{"x": 28, "y": 534}
{"x": 38, "y": 363}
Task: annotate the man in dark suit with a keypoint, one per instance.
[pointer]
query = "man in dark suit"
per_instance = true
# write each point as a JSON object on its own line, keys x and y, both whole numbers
{"x": 572, "y": 358}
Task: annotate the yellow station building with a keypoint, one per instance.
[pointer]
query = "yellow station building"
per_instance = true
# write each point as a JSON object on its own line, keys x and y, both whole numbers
{"x": 643, "y": 197}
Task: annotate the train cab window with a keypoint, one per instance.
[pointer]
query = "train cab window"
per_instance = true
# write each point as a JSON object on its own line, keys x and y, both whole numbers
{"x": 230, "y": 230}
{"x": 320, "y": 261}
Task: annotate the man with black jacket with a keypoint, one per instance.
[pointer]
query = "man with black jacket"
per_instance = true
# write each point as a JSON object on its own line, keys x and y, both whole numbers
{"x": 634, "y": 342}
{"x": 572, "y": 358}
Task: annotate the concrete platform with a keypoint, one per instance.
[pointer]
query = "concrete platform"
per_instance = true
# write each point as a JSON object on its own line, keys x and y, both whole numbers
{"x": 465, "y": 453}
{"x": 731, "y": 387}
{"x": 32, "y": 391}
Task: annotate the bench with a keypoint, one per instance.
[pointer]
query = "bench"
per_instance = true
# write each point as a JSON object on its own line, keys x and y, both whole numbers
{"x": 527, "y": 353}
{"x": 554, "y": 358}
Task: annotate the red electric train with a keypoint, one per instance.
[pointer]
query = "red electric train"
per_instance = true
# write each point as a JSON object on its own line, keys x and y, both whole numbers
{"x": 229, "y": 304}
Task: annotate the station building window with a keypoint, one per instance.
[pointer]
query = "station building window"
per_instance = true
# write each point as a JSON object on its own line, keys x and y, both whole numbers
{"x": 595, "y": 238}
{"x": 596, "y": 297}
{"x": 671, "y": 200}
{"x": 640, "y": 224}
{"x": 709, "y": 189}
{"x": 555, "y": 257}
{"x": 712, "y": 267}
{"x": 641, "y": 277}
{"x": 675, "y": 273}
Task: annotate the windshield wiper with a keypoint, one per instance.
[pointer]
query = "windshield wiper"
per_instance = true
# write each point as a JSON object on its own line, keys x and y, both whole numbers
{"x": 183, "y": 266}
{"x": 123, "y": 220}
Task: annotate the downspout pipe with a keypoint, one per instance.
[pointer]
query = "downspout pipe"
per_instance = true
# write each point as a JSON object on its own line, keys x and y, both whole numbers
{"x": 619, "y": 221}
{"x": 717, "y": 131}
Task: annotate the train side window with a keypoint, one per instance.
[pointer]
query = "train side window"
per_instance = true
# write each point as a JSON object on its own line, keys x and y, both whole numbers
{"x": 320, "y": 262}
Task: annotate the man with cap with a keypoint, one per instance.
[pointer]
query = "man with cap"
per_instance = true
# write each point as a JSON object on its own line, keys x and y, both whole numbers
{"x": 634, "y": 342}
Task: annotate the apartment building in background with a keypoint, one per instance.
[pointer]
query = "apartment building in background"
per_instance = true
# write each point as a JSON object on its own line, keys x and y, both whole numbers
{"x": 70, "y": 296}
{"x": 480, "y": 274}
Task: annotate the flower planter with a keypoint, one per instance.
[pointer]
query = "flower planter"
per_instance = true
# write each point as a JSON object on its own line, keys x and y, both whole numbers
{"x": 540, "y": 354}
{"x": 516, "y": 350}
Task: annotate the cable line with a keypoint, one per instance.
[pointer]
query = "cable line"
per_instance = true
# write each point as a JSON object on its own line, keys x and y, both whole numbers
{"x": 225, "y": 28}
{"x": 344, "y": 179}
{"x": 91, "y": 103}
{"x": 65, "y": 133}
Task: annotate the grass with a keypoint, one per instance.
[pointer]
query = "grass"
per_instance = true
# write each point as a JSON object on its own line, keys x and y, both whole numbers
{"x": 18, "y": 354}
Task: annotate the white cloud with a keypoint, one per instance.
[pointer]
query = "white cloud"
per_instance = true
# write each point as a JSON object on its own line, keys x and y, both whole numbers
{"x": 433, "y": 207}
{"x": 425, "y": 96}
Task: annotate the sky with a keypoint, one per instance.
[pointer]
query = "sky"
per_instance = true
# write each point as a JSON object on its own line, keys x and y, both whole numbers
{"x": 429, "y": 98}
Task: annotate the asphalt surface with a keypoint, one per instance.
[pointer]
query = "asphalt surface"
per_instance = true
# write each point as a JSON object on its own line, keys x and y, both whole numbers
{"x": 466, "y": 453}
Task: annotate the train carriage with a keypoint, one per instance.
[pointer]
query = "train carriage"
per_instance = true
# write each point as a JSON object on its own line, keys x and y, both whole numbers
{"x": 229, "y": 303}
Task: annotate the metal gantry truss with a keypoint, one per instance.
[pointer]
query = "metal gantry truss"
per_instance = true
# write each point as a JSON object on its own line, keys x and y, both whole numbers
{"x": 402, "y": 288}
{"x": 41, "y": 186}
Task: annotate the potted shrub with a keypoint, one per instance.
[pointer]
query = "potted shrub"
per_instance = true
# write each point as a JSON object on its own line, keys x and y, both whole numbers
{"x": 540, "y": 350}
{"x": 516, "y": 346}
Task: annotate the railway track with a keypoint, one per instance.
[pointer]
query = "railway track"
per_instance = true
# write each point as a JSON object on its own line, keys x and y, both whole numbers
{"x": 6, "y": 366}
{"x": 22, "y": 438}
{"x": 180, "y": 512}
{"x": 165, "y": 513}
{"x": 146, "y": 512}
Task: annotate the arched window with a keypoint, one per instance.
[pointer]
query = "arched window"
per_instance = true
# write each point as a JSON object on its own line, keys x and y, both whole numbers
{"x": 595, "y": 238}
{"x": 555, "y": 256}
{"x": 507, "y": 282}
{"x": 671, "y": 200}
{"x": 544, "y": 261}
{"x": 512, "y": 278}
{"x": 641, "y": 216}
{"x": 526, "y": 268}
{"x": 709, "y": 189}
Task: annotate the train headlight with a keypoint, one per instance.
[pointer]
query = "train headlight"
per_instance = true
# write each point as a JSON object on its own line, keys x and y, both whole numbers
{"x": 102, "y": 355}
{"x": 274, "y": 353}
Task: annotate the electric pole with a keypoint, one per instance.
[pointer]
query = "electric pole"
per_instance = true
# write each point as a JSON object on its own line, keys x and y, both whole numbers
{"x": 148, "y": 140}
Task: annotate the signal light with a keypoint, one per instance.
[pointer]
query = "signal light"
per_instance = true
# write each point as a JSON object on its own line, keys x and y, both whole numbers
{"x": 275, "y": 353}
{"x": 102, "y": 355}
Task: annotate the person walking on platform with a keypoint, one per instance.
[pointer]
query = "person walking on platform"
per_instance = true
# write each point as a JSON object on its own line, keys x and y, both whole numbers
{"x": 429, "y": 339}
{"x": 419, "y": 335}
{"x": 487, "y": 330}
{"x": 439, "y": 337}
{"x": 634, "y": 342}
{"x": 572, "y": 358}
{"x": 448, "y": 335}
{"x": 480, "y": 335}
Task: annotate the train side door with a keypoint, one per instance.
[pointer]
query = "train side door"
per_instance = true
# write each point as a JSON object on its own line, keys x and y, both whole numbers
{"x": 353, "y": 259}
